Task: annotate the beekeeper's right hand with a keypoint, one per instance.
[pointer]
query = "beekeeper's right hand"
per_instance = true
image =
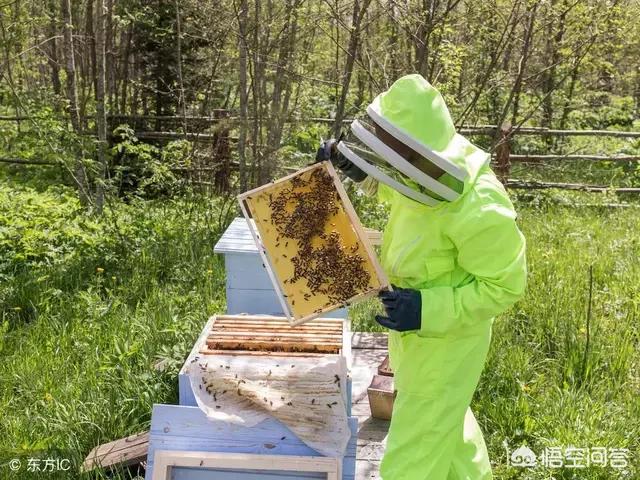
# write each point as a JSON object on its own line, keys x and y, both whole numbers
{"x": 329, "y": 151}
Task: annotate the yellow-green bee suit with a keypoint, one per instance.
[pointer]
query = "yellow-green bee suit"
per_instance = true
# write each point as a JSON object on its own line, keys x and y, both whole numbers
{"x": 467, "y": 259}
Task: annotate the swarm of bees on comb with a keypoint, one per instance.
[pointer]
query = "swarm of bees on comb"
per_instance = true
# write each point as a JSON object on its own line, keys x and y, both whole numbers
{"x": 300, "y": 213}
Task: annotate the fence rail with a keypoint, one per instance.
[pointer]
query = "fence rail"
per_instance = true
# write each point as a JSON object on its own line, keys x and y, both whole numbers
{"x": 502, "y": 136}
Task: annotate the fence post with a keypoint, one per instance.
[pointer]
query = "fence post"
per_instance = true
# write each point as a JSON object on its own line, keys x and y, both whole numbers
{"x": 222, "y": 153}
{"x": 503, "y": 151}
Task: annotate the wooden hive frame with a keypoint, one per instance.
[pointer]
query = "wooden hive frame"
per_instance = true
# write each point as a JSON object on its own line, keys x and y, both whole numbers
{"x": 267, "y": 247}
{"x": 262, "y": 335}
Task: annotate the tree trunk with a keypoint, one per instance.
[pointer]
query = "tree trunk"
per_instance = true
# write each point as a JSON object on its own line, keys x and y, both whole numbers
{"x": 72, "y": 96}
{"x": 125, "y": 71}
{"x": 181, "y": 100}
{"x": 552, "y": 52}
{"x": 110, "y": 56}
{"x": 522, "y": 64}
{"x": 101, "y": 118}
{"x": 244, "y": 93}
{"x": 352, "y": 51}
{"x": 52, "y": 58}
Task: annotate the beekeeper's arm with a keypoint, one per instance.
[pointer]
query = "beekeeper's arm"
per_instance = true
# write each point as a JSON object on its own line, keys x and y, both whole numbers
{"x": 492, "y": 249}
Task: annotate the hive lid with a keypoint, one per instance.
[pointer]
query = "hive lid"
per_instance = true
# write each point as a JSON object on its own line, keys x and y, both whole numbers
{"x": 236, "y": 239}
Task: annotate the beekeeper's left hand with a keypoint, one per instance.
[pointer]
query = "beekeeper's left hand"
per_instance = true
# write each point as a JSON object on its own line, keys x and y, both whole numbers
{"x": 403, "y": 307}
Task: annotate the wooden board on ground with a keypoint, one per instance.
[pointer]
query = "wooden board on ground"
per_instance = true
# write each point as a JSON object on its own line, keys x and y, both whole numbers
{"x": 131, "y": 450}
{"x": 314, "y": 248}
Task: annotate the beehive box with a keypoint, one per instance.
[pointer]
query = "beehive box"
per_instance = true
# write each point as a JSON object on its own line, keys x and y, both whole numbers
{"x": 316, "y": 253}
{"x": 186, "y": 428}
{"x": 265, "y": 335}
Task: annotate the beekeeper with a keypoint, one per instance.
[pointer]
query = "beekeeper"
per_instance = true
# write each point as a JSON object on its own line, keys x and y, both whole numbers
{"x": 456, "y": 259}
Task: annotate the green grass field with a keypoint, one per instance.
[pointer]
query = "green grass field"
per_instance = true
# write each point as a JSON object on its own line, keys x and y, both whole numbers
{"x": 87, "y": 307}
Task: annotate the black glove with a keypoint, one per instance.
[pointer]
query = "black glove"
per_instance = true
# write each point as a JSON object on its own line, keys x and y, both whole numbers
{"x": 403, "y": 307}
{"x": 329, "y": 151}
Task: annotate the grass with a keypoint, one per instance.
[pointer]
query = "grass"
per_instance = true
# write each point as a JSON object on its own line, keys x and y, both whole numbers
{"x": 88, "y": 306}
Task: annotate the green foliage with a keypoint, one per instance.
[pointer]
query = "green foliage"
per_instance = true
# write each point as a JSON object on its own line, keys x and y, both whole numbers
{"x": 41, "y": 228}
{"x": 606, "y": 111}
{"x": 146, "y": 170}
{"x": 88, "y": 306}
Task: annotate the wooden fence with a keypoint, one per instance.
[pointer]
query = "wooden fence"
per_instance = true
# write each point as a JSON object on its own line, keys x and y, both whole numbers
{"x": 214, "y": 131}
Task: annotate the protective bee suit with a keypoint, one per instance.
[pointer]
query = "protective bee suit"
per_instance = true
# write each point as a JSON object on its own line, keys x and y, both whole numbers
{"x": 456, "y": 258}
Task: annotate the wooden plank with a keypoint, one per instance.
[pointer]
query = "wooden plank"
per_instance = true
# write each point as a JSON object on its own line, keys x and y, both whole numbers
{"x": 283, "y": 329}
{"x": 535, "y": 185}
{"x": 302, "y": 304}
{"x": 374, "y": 236}
{"x": 274, "y": 341}
{"x": 213, "y": 351}
{"x": 275, "y": 336}
{"x": 166, "y": 460}
{"x": 381, "y": 395}
{"x": 220, "y": 344}
{"x": 271, "y": 320}
{"x": 384, "y": 368}
{"x": 127, "y": 451}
